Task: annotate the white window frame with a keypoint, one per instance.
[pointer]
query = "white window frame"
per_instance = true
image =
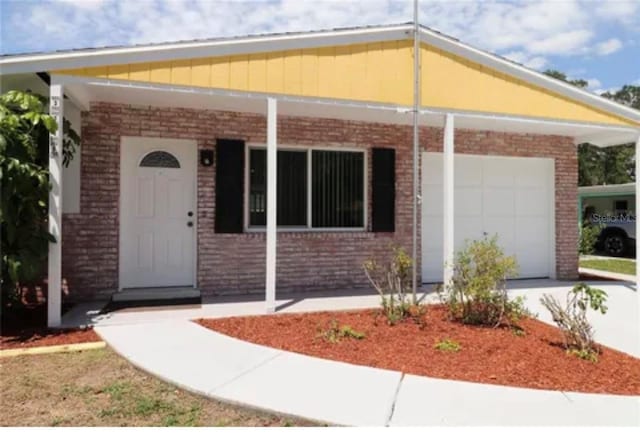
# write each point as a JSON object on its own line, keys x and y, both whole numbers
{"x": 308, "y": 227}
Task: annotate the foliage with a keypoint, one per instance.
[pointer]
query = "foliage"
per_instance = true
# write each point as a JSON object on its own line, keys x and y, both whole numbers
{"x": 448, "y": 345}
{"x": 588, "y": 237}
{"x": 572, "y": 319}
{"x": 334, "y": 333}
{"x": 24, "y": 138}
{"x": 392, "y": 279}
{"x": 477, "y": 293}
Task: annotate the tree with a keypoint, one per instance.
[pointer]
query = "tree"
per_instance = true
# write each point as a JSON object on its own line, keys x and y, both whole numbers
{"x": 24, "y": 176}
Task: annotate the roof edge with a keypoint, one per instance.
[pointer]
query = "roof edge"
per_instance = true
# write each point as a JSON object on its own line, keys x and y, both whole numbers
{"x": 70, "y": 59}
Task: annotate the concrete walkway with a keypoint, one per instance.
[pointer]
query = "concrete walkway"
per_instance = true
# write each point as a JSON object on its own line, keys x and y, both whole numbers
{"x": 181, "y": 352}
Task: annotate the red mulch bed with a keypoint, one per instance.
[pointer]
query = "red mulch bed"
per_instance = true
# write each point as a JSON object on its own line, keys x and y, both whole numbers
{"x": 488, "y": 355}
{"x": 47, "y": 337}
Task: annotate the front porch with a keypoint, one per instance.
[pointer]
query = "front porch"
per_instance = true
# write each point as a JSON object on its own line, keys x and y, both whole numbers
{"x": 128, "y": 109}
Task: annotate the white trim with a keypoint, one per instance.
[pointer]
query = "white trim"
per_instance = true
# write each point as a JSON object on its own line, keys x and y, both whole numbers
{"x": 17, "y": 64}
{"x": 448, "y": 192}
{"x": 54, "y": 272}
{"x": 308, "y": 150}
{"x": 552, "y": 218}
{"x": 272, "y": 204}
{"x": 194, "y": 219}
{"x": 511, "y": 68}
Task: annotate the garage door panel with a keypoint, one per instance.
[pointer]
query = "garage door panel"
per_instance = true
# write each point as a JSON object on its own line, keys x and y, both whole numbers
{"x": 498, "y": 202}
{"x": 535, "y": 175}
{"x": 432, "y": 169}
{"x": 468, "y": 201}
{"x": 496, "y": 173}
{"x": 432, "y": 198}
{"x": 467, "y": 172}
{"x": 532, "y": 202}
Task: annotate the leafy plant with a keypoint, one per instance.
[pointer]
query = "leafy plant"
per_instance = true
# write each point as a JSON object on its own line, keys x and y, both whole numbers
{"x": 477, "y": 293}
{"x": 588, "y": 237}
{"x": 334, "y": 333}
{"x": 572, "y": 319}
{"x": 24, "y": 141}
{"x": 392, "y": 279}
{"x": 448, "y": 345}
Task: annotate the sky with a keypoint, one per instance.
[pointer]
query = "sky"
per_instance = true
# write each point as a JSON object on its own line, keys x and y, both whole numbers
{"x": 597, "y": 40}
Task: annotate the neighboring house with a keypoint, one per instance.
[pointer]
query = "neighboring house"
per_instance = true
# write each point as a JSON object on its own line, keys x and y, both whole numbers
{"x": 177, "y": 139}
{"x": 613, "y": 207}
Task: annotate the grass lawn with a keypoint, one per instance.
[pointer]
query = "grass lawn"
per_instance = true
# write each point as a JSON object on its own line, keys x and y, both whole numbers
{"x": 613, "y": 265}
{"x": 98, "y": 388}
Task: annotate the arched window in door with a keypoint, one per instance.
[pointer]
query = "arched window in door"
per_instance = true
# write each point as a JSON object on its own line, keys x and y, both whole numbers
{"x": 159, "y": 159}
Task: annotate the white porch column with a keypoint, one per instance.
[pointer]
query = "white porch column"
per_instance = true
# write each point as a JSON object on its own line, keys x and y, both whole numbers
{"x": 447, "y": 190}
{"x": 272, "y": 179}
{"x": 637, "y": 221}
{"x": 54, "y": 276}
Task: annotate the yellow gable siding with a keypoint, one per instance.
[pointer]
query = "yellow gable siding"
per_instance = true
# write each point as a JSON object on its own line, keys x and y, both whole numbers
{"x": 449, "y": 81}
{"x": 377, "y": 72}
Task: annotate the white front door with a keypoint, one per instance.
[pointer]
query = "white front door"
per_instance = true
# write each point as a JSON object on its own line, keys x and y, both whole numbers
{"x": 157, "y": 212}
{"x": 508, "y": 196}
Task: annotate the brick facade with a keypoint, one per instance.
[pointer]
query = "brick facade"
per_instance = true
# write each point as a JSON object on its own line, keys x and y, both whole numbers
{"x": 235, "y": 263}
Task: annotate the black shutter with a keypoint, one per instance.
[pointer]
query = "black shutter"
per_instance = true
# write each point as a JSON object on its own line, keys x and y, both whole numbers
{"x": 383, "y": 198}
{"x": 229, "y": 185}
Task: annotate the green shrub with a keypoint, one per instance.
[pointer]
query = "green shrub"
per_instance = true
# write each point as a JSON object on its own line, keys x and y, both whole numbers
{"x": 572, "y": 319}
{"x": 334, "y": 333}
{"x": 477, "y": 293}
{"x": 392, "y": 279}
{"x": 448, "y": 345}
{"x": 588, "y": 237}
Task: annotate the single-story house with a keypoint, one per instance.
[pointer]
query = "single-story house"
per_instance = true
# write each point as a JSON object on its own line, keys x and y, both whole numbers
{"x": 612, "y": 207}
{"x": 180, "y": 141}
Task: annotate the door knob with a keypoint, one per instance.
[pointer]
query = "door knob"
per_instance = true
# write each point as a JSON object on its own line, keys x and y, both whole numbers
{"x": 190, "y": 213}
{"x": 189, "y": 224}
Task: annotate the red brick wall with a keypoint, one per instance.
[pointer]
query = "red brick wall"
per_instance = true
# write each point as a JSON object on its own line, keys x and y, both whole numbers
{"x": 306, "y": 260}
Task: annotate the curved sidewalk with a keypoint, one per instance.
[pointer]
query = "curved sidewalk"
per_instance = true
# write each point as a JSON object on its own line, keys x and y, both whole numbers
{"x": 205, "y": 362}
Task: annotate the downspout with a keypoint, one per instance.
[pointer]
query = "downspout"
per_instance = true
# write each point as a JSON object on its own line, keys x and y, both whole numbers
{"x": 416, "y": 143}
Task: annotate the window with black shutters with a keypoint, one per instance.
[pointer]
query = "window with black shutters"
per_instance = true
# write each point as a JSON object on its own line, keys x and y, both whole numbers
{"x": 333, "y": 199}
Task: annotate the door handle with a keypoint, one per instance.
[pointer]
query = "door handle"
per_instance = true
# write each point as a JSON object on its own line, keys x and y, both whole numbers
{"x": 190, "y": 213}
{"x": 189, "y": 224}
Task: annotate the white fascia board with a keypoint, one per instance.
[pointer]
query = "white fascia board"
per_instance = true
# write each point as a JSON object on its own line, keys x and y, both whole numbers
{"x": 542, "y": 80}
{"x": 191, "y": 50}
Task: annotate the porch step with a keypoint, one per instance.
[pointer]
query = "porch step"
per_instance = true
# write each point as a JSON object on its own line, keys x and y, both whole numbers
{"x": 154, "y": 297}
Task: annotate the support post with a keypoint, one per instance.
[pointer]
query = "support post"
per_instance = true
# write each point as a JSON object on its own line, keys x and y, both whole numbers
{"x": 54, "y": 276}
{"x": 637, "y": 174}
{"x": 448, "y": 198}
{"x": 416, "y": 147}
{"x": 272, "y": 165}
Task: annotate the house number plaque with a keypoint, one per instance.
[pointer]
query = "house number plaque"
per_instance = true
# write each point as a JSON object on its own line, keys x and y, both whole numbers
{"x": 54, "y": 110}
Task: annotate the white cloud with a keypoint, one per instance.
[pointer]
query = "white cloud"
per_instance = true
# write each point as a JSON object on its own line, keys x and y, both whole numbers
{"x": 562, "y": 44}
{"x": 594, "y": 84}
{"x": 607, "y": 47}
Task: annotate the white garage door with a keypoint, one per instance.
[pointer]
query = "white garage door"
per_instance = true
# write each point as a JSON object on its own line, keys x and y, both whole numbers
{"x": 508, "y": 196}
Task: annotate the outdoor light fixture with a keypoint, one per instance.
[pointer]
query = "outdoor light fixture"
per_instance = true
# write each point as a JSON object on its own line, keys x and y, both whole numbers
{"x": 206, "y": 157}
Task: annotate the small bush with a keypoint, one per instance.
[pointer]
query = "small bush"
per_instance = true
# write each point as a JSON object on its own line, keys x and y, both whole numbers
{"x": 572, "y": 319}
{"x": 392, "y": 279}
{"x": 588, "y": 237}
{"x": 477, "y": 294}
{"x": 447, "y": 345}
{"x": 334, "y": 333}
